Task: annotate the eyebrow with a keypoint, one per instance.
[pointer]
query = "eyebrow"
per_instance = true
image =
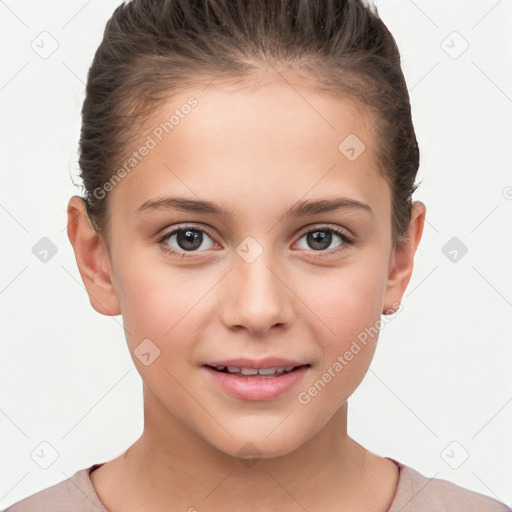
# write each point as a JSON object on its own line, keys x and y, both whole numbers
{"x": 299, "y": 209}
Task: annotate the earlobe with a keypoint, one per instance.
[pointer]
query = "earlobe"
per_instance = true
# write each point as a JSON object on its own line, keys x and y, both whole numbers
{"x": 92, "y": 259}
{"x": 402, "y": 260}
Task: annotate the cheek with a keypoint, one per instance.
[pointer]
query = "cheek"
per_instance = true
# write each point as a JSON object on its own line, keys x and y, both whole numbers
{"x": 158, "y": 317}
{"x": 169, "y": 306}
{"x": 344, "y": 300}
{"x": 151, "y": 302}
{"x": 345, "y": 310}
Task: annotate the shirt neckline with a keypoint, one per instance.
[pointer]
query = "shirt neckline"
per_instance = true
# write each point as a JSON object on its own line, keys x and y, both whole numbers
{"x": 400, "y": 484}
{"x": 399, "y": 489}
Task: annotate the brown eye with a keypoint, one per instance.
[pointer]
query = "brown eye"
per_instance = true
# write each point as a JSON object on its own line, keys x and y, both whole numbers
{"x": 186, "y": 239}
{"x": 189, "y": 240}
{"x": 321, "y": 239}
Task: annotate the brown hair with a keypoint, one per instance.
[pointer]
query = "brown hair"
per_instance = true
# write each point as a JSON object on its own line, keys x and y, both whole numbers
{"x": 154, "y": 49}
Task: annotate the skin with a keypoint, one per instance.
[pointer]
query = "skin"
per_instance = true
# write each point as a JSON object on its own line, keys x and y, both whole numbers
{"x": 257, "y": 151}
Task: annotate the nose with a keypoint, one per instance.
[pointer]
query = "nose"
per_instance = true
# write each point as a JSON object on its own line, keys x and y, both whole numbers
{"x": 256, "y": 297}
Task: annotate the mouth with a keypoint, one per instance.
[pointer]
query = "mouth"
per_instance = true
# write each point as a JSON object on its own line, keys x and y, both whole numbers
{"x": 256, "y": 381}
{"x": 265, "y": 373}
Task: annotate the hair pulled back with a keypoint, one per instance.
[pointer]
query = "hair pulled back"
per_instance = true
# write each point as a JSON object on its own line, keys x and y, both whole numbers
{"x": 154, "y": 49}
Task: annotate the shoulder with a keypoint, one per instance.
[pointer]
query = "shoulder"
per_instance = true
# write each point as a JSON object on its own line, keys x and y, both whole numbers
{"x": 418, "y": 493}
{"x": 75, "y": 494}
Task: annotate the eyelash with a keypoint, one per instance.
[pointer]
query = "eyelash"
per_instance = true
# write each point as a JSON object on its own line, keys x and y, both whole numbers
{"x": 317, "y": 254}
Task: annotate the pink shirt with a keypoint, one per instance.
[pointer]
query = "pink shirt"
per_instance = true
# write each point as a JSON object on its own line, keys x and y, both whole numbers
{"x": 415, "y": 493}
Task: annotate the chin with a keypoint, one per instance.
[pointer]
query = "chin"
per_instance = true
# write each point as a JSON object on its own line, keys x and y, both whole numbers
{"x": 260, "y": 443}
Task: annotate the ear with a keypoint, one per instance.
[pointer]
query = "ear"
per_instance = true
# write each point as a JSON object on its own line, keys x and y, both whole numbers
{"x": 402, "y": 260}
{"x": 92, "y": 258}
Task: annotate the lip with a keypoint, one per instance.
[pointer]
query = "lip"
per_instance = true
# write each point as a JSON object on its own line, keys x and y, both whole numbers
{"x": 256, "y": 388}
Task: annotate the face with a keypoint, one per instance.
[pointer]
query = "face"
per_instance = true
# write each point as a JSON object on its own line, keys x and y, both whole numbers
{"x": 263, "y": 280}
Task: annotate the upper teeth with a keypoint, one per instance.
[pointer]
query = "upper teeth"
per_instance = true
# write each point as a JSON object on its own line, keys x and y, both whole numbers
{"x": 254, "y": 371}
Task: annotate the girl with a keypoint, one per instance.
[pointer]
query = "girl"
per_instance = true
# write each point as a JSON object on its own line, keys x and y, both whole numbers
{"x": 249, "y": 170}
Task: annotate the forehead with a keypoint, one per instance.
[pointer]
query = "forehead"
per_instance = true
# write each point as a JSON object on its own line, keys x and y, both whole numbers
{"x": 256, "y": 146}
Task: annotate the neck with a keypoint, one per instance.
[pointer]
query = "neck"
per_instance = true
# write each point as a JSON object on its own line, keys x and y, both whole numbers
{"x": 169, "y": 463}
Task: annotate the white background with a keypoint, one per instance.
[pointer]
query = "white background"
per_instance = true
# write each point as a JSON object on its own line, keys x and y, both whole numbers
{"x": 441, "y": 374}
